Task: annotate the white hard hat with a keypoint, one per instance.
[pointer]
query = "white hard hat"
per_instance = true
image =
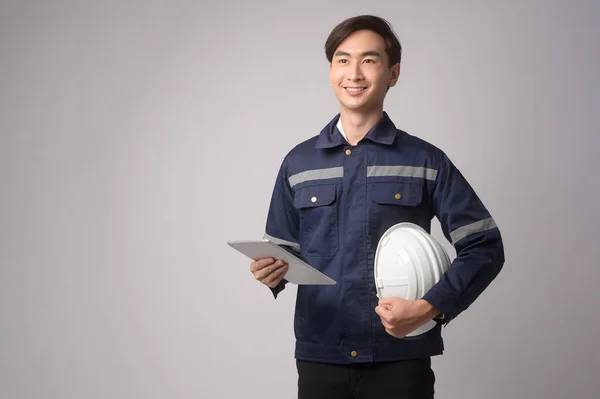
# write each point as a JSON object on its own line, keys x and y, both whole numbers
{"x": 408, "y": 262}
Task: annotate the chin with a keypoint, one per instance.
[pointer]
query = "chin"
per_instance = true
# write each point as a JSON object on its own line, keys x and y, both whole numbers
{"x": 362, "y": 106}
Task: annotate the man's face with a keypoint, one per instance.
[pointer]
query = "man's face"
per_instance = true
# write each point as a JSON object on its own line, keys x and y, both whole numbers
{"x": 360, "y": 74}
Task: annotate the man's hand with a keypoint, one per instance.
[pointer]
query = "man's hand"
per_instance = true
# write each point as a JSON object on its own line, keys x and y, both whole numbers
{"x": 268, "y": 271}
{"x": 401, "y": 317}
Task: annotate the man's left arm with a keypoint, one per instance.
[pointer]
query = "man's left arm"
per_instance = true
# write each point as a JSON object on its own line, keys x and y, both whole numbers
{"x": 468, "y": 225}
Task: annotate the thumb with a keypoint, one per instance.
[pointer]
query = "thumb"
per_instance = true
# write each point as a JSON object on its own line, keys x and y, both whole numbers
{"x": 387, "y": 302}
{"x": 382, "y": 311}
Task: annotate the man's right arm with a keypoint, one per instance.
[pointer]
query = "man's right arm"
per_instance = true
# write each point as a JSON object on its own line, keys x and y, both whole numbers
{"x": 283, "y": 224}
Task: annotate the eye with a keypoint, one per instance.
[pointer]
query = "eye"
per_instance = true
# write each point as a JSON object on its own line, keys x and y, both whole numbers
{"x": 369, "y": 60}
{"x": 342, "y": 61}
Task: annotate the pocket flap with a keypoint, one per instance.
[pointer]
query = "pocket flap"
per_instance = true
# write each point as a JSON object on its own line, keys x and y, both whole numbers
{"x": 313, "y": 196}
{"x": 396, "y": 193}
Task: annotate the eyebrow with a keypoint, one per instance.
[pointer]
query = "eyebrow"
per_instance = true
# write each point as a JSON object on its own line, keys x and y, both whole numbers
{"x": 372, "y": 53}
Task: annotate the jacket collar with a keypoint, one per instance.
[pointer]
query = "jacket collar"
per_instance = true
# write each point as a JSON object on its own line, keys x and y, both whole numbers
{"x": 384, "y": 132}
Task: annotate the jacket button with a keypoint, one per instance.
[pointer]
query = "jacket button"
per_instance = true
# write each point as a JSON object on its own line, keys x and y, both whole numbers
{"x": 348, "y": 152}
{"x": 353, "y": 354}
{"x": 313, "y": 199}
{"x": 398, "y": 196}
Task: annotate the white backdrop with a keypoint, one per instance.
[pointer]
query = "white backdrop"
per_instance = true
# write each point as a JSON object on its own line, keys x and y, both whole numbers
{"x": 138, "y": 137}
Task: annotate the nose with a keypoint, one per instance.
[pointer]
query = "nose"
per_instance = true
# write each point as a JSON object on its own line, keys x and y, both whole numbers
{"x": 355, "y": 73}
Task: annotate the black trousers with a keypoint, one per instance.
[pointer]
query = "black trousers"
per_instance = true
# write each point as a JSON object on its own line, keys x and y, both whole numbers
{"x": 410, "y": 379}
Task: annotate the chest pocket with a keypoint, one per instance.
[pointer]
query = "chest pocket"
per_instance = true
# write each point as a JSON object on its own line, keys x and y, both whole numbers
{"x": 395, "y": 202}
{"x": 395, "y": 193}
{"x": 318, "y": 210}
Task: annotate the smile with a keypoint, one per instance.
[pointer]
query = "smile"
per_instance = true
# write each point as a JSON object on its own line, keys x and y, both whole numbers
{"x": 355, "y": 90}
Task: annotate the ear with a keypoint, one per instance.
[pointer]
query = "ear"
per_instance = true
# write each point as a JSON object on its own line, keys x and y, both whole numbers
{"x": 395, "y": 69}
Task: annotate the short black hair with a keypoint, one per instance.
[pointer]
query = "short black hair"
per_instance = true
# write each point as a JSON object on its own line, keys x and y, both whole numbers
{"x": 373, "y": 23}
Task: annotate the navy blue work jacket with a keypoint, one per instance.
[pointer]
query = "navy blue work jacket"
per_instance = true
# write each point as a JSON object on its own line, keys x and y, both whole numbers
{"x": 332, "y": 202}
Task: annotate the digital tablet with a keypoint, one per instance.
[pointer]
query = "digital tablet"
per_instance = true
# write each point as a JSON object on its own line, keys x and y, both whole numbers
{"x": 299, "y": 272}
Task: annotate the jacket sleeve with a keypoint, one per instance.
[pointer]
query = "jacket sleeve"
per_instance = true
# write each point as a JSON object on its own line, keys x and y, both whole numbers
{"x": 468, "y": 225}
{"x": 282, "y": 226}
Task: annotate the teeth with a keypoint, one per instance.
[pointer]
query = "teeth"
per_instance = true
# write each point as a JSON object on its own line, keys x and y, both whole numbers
{"x": 355, "y": 89}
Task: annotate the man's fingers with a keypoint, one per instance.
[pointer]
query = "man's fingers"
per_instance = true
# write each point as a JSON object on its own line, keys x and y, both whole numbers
{"x": 387, "y": 300}
{"x": 383, "y": 312}
{"x": 388, "y": 303}
{"x": 275, "y": 272}
{"x": 260, "y": 264}
{"x": 386, "y": 324}
{"x": 263, "y": 267}
{"x": 266, "y": 272}
{"x": 274, "y": 278}
{"x": 386, "y": 316}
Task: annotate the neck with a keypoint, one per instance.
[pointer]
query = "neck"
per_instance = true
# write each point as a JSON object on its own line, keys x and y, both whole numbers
{"x": 357, "y": 124}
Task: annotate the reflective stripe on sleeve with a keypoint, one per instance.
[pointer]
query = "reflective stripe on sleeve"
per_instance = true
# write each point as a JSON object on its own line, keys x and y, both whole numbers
{"x": 476, "y": 227}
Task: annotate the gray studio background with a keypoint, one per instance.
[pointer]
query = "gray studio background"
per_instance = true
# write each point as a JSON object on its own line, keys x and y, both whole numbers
{"x": 138, "y": 137}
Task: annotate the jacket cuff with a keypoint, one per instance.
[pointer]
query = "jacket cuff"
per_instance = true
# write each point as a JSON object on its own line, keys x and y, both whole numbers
{"x": 280, "y": 287}
{"x": 442, "y": 300}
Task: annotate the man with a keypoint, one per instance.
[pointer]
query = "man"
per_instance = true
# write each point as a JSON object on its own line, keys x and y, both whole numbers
{"x": 334, "y": 197}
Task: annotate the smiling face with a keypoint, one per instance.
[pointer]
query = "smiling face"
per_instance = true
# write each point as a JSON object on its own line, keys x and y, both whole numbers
{"x": 360, "y": 73}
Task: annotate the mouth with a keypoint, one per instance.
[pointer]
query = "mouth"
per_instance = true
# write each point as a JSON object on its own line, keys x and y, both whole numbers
{"x": 355, "y": 90}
